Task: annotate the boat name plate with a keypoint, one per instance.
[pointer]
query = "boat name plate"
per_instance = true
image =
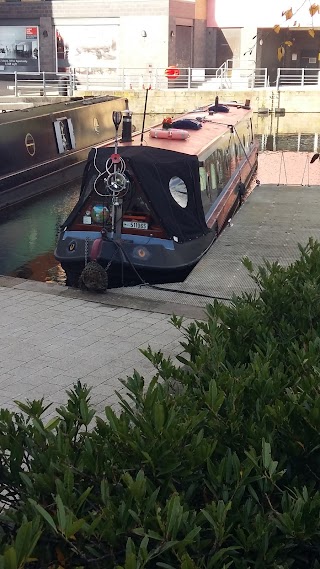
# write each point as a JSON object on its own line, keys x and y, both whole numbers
{"x": 135, "y": 225}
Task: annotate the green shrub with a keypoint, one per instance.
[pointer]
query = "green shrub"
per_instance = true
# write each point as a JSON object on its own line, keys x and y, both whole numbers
{"x": 215, "y": 464}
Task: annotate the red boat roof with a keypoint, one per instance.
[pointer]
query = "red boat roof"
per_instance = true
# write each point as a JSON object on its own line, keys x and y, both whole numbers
{"x": 213, "y": 127}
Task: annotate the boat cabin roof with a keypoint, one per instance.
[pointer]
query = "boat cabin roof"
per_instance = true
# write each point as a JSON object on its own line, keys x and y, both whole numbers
{"x": 213, "y": 127}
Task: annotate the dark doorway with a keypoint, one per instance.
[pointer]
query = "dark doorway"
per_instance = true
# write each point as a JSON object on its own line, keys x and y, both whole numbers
{"x": 184, "y": 46}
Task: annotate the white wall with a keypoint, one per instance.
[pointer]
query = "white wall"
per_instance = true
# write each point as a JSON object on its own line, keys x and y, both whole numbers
{"x": 141, "y": 52}
{"x": 248, "y": 44}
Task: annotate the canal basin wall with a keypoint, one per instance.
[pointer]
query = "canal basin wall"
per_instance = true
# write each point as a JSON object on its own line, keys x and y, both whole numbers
{"x": 174, "y": 101}
{"x": 179, "y": 100}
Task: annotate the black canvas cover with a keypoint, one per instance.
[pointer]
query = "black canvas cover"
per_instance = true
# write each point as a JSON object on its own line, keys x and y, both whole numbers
{"x": 153, "y": 168}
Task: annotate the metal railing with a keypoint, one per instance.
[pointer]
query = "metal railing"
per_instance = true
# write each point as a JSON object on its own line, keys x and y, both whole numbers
{"x": 223, "y": 72}
{"x": 33, "y": 83}
{"x": 299, "y": 77}
{"x": 97, "y": 80}
{"x": 94, "y": 80}
{"x": 189, "y": 78}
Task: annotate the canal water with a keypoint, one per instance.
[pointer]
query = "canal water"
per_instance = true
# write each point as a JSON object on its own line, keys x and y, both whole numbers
{"x": 28, "y": 232}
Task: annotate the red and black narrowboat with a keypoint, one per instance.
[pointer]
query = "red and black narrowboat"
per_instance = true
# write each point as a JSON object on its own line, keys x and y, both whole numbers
{"x": 152, "y": 204}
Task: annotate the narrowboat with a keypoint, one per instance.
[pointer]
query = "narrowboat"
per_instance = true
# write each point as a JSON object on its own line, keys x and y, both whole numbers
{"x": 42, "y": 147}
{"x": 152, "y": 204}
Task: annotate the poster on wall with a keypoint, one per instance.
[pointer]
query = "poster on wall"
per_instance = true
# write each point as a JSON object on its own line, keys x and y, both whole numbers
{"x": 19, "y": 49}
{"x": 87, "y": 48}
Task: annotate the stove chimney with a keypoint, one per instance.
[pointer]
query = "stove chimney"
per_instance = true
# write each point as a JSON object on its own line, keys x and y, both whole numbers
{"x": 126, "y": 124}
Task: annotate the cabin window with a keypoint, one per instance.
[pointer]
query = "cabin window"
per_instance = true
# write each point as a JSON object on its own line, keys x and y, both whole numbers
{"x": 230, "y": 149}
{"x": 244, "y": 142}
{"x": 213, "y": 178}
{"x": 134, "y": 200}
{"x": 251, "y": 131}
{"x": 240, "y": 151}
{"x": 227, "y": 163}
{"x": 218, "y": 157}
{"x": 232, "y": 156}
{"x": 203, "y": 179}
{"x": 136, "y": 205}
{"x": 236, "y": 152}
{"x": 178, "y": 191}
{"x": 63, "y": 129}
{"x": 204, "y": 186}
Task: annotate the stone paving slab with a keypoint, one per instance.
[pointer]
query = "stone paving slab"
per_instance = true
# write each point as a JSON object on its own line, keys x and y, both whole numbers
{"x": 269, "y": 226}
{"x": 50, "y": 340}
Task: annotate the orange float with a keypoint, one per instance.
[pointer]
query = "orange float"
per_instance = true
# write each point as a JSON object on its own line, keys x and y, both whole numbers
{"x": 173, "y": 134}
{"x": 172, "y": 72}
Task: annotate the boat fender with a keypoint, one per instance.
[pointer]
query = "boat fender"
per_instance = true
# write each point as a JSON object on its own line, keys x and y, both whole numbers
{"x": 174, "y": 134}
{"x": 96, "y": 249}
{"x": 241, "y": 188}
{"x": 93, "y": 278}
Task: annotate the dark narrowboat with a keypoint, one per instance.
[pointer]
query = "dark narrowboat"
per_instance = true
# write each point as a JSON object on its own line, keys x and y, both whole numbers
{"x": 45, "y": 146}
{"x": 151, "y": 205}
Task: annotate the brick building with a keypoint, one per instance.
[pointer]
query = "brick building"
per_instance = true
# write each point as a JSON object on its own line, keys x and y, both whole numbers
{"x": 53, "y": 35}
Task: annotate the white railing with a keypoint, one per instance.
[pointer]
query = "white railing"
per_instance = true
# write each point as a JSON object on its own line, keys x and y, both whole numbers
{"x": 98, "y": 80}
{"x": 46, "y": 84}
{"x": 94, "y": 80}
{"x": 299, "y": 77}
{"x": 223, "y": 73}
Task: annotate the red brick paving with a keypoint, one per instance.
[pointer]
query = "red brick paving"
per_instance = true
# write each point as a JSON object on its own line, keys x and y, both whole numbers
{"x": 290, "y": 168}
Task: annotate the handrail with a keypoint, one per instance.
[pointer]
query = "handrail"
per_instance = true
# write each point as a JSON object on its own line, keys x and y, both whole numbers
{"x": 297, "y": 77}
{"x": 94, "y": 80}
{"x": 221, "y": 70}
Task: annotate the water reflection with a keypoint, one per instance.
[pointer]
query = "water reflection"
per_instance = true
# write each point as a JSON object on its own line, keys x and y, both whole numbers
{"x": 29, "y": 233}
{"x": 303, "y": 128}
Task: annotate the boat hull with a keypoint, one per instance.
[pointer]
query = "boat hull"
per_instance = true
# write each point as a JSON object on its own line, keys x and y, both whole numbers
{"x": 37, "y": 158}
{"x": 132, "y": 261}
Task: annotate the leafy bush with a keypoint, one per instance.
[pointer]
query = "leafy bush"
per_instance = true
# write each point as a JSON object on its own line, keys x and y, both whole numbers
{"x": 216, "y": 464}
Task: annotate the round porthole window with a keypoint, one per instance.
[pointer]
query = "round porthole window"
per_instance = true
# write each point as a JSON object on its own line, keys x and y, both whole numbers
{"x": 178, "y": 191}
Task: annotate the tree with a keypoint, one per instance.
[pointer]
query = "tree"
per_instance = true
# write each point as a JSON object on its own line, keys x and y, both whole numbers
{"x": 290, "y": 17}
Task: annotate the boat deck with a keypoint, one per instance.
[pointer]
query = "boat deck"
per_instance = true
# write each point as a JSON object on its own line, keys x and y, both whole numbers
{"x": 270, "y": 224}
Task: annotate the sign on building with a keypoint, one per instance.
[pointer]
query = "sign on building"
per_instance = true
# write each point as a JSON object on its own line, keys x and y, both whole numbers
{"x": 19, "y": 48}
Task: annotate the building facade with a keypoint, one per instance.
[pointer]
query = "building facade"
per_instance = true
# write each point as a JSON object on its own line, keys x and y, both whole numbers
{"x": 103, "y": 36}
{"x": 252, "y": 33}
{"x": 55, "y": 35}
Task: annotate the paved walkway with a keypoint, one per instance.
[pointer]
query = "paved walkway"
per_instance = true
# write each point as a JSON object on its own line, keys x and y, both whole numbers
{"x": 51, "y": 337}
{"x": 270, "y": 224}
